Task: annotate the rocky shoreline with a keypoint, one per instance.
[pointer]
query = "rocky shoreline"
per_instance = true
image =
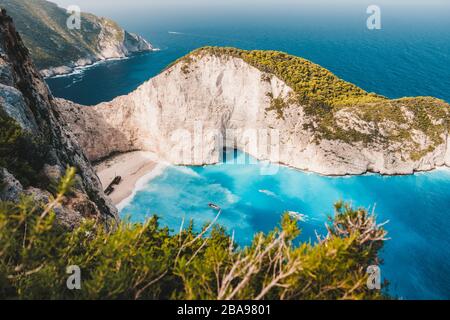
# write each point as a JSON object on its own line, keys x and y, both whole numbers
{"x": 68, "y": 70}
{"x": 83, "y": 64}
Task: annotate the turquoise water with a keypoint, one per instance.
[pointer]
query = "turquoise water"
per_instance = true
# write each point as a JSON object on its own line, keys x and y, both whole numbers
{"x": 416, "y": 259}
{"x": 410, "y": 56}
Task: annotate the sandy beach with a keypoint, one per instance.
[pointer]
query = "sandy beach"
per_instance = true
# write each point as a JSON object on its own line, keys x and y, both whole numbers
{"x": 131, "y": 167}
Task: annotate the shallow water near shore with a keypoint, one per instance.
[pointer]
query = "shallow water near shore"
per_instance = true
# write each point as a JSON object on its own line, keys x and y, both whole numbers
{"x": 416, "y": 259}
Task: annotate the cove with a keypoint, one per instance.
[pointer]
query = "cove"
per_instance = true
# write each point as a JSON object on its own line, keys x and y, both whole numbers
{"x": 416, "y": 259}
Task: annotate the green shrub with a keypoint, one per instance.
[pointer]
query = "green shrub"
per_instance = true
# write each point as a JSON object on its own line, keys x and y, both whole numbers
{"x": 145, "y": 261}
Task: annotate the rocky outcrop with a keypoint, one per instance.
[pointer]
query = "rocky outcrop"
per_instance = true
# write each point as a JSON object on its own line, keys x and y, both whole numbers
{"x": 27, "y": 103}
{"x": 10, "y": 187}
{"x": 201, "y": 104}
{"x": 112, "y": 43}
{"x": 58, "y": 50}
{"x": 95, "y": 132}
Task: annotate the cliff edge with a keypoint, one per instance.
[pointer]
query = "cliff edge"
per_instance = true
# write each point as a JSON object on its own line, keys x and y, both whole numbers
{"x": 302, "y": 114}
{"x": 36, "y": 147}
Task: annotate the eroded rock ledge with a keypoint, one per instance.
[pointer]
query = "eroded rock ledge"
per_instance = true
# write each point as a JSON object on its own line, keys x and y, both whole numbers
{"x": 348, "y": 132}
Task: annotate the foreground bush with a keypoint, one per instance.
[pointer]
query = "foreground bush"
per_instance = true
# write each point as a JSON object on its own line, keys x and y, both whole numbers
{"x": 145, "y": 261}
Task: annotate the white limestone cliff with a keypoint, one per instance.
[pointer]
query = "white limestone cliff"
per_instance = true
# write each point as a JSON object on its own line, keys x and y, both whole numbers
{"x": 220, "y": 94}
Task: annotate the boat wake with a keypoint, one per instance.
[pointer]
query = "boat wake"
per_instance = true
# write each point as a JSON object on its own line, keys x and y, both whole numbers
{"x": 268, "y": 193}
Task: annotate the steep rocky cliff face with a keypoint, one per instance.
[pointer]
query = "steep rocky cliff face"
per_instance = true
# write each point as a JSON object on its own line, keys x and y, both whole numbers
{"x": 56, "y": 49}
{"x": 35, "y": 146}
{"x": 211, "y": 100}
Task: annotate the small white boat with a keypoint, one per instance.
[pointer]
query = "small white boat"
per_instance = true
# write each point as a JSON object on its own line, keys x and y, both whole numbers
{"x": 214, "y": 206}
{"x": 298, "y": 216}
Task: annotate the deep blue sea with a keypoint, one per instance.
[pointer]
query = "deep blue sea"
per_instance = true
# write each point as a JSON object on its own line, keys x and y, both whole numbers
{"x": 409, "y": 56}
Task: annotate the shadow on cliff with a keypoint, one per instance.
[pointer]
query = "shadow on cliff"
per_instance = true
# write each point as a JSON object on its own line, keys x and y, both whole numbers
{"x": 98, "y": 138}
